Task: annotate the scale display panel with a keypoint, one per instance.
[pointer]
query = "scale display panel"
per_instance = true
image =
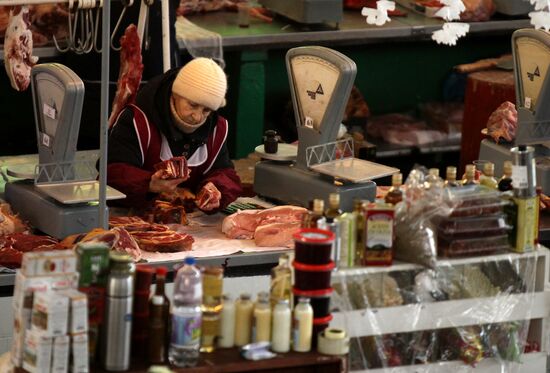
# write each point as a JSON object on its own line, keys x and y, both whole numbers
{"x": 315, "y": 80}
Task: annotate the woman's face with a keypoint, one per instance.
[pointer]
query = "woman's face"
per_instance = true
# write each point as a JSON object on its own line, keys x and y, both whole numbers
{"x": 190, "y": 112}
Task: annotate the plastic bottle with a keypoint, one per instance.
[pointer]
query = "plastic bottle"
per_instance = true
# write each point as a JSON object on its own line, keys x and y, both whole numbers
{"x": 159, "y": 307}
{"x": 302, "y": 326}
{"x": 281, "y": 281}
{"x": 395, "y": 194}
{"x": 186, "y": 316}
{"x": 243, "y": 320}
{"x": 227, "y": 323}
{"x": 280, "y": 336}
{"x": 261, "y": 324}
{"x": 488, "y": 176}
{"x": 505, "y": 182}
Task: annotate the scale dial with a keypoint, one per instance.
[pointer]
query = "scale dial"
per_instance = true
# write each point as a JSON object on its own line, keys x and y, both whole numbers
{"x": 51, "y": 95}
{"x": 315, "y": 79}
{"x": 533, "y": 58}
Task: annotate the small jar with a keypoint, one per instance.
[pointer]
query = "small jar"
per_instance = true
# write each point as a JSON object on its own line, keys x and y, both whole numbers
{"x": 271, "y": 143}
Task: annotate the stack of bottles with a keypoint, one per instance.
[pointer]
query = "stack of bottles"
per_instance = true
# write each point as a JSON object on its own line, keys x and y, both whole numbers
{"x": 312, "y": 273}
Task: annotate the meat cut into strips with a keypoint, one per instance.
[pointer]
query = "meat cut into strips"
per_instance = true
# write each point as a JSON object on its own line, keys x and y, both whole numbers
{"x": 18, "y": 49}
{"x": 130, "y": 72}
{"x": 173, "y": 168}
{"x": 247, "y": 223}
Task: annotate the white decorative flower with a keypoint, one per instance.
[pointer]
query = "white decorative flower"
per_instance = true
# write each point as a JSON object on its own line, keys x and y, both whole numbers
{"x": 378, "y": 16}
{"x": 450, "y": 33}
{"x": 541, "y": 20}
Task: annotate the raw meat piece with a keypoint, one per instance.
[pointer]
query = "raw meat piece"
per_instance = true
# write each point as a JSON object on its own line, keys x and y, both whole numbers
{"x": 29, "y": 242}
{"x": 180, "y": 197}
{"x": 168, "y": 213}
{"x": 168, "y": 241}
{"x": 276, "y": 234}
{"x": 503, "y": 122}
{"x": 11, "y": 258}
{"x": 117, "y": 239}
{"x": 126, "y": 243}
{"x": 173, "y": 168}
{"x": 208, "y": 197}
{"x": 477, "y": 10}
{"x": 9, "y": 222}
{"x": 119, "y": 221}
{"x": 243, "y": 224}
{"x": 18, "y": 46}
{"x": 130, "y": 72}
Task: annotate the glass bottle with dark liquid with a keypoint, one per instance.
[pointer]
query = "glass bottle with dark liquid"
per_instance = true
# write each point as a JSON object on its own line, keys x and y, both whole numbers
{"x": 395, "y": 194}
{"x": 505, "y": 182}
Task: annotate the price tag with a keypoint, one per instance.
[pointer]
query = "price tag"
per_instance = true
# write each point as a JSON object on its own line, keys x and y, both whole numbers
{"x": 49, "y": 111}
{"x": 45, "y": 140}
{"x": 309, "y": 122}
{"x": 519, "y": 177}
{"x": 528, "y": 102}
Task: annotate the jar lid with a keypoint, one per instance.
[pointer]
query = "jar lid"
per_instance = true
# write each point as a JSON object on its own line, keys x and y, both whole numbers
{"x": 313, "y": 236}
{"x": 322, "y": 320}
{"x": 311, "y": 293}
{"x": 313, "y": 268}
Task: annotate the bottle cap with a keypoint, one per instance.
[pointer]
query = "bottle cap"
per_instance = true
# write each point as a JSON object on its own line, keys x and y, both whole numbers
{"x": 334, "y": 199}
{"x": 303, "y": 300}
{"x": 358, "y": 204}
{"x": 451, "y": 172}
{"x": 489, "y": 169}
{"x": 397, "y": 179}
{"x": 227, "y": 297}
{"x": 318, "y": 205}
{"x": 470, "y": 170}
{"x": 190, "y": 260}
{"x": 245, "y": 296}
{"x": 282, "y": 301}
{"x": 162, "y": 271}
{"x": 433, "y": 172}
{"x": 508, "y": 167}
{"x": 263, "y": 295}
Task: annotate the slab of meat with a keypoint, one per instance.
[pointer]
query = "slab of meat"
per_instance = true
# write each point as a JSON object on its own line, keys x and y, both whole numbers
{"x": 12, "y": 247}
{"x": 244, "y": 224}
{"x": 276, "y": 234}
{"x": 10, "y": 258}
{"x": 209, "y": 197}
{"x": 173, "y": 168}
{"x": 18, "y": 45}
{"x": 130, "y": 72}
{"x": 168, "y": 241}
{"x": 9, "y": 222}
{"x": 478, "y": 10}
{"x": 503, "y": 122}
{"x": 168, "y": 213}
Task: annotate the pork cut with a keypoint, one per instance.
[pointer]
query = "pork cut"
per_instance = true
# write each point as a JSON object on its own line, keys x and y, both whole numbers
{"x": 168, "y": 213}
{"x": 246, "y": 223}
{"x": 173, "y": 168}
{"x": 208, "y": 197}
{"x": 167, "y": 241}
{"x": 18, "y": 49}
{"x": 503, "y": 122}
{"x": 130, "y": 72}
{"x": 276, "y": 234}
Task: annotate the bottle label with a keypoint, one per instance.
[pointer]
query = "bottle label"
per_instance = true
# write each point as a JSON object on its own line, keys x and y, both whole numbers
{"x": 186, "y": 330}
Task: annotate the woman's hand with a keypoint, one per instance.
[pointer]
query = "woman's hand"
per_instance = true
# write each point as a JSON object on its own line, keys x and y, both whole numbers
{"x": 159, "y": 185}
{"x": 209, "y": 197}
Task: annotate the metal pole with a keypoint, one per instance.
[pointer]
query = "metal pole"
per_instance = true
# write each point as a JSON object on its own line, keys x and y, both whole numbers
{"x": 165, "y": 4}
{"x": 104, "y": 113}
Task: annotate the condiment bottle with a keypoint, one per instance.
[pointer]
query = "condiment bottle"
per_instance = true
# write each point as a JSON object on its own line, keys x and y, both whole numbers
{"x": 212, "y": 288}
{"x": 281, "y": 281}
{"x": 261, "y": 319}
{"x": 469, "y": 175}
{"x": 379, "y": 234}
{"x": 450, "y": 181}
{"x": 243, "y": 319}
{"x": 488, "y": 176}
{"x": 159, "y": 309}
{"x": 118, "y": 312}
{"x": 333, "y": 211}
{"x": 227, "y": 323}
{"x": 302, "y": 326}
{"x": 280, "y": 337}
{"x": 505, "y": 182}
{"x": 315, "y": 215}
{"x": 395, "y": 194}
{"x": 359, "y": 212}
{"x": 433, "y": 180}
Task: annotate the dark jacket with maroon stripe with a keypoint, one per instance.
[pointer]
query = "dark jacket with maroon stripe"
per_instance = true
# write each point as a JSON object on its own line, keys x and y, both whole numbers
{"x": 145, "y": 134}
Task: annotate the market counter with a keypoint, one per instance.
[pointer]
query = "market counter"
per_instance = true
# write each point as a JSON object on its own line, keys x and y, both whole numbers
{"x": 229, "y": 360}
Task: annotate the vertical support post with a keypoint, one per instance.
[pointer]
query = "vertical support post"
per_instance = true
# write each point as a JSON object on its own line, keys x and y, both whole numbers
{"x": 104, "y": 114}
{"x": 166, "y": 60}
{"x": 251, "y": 101}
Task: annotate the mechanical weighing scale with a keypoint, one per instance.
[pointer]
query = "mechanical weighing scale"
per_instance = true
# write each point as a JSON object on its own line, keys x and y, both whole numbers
{"x": 531, "y": 51}
{"x": 321, "y": 80}
{"x": 59, "y": 195}
{"x": 307, "y": 11}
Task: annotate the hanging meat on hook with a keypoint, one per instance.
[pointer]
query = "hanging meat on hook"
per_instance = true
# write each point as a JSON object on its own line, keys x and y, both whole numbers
{"x": 130, "y": 72}
{"x": 18, "y": 46}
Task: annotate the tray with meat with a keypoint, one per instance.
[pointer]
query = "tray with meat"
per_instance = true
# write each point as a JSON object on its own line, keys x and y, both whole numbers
{"x": 476, "y": 201}
{"x": 474, "y": 227}
{"x": 450, "y": 247}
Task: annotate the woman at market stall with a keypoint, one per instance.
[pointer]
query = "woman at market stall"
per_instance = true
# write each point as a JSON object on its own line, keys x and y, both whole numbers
{"x": 174, "y": 115}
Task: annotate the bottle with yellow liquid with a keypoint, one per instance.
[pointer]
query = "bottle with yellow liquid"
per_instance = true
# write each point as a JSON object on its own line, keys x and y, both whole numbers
{"x": 281, "y": 281}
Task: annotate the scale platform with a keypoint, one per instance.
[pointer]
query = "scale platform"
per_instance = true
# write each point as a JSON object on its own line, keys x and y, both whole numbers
{"x": 307, "y": 11}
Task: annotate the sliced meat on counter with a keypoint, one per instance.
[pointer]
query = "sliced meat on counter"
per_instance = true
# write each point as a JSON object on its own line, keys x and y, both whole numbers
{"x": 245, "y": 224}
{"x": 12, "y": 247}
{"x": 276, "y": 234}
{"x": 167, "y": 241}
{"x": 130, "y": 72}
{"x": 18, "y": 48}
{"x": 503, "y": 122}
{"x": 168, "y": 213}
{"x": 209, "y": 197}
{"x": 117, "y": 239}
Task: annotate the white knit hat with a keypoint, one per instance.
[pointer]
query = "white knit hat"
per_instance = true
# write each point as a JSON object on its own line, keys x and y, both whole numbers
{"x": 202, "y": 81}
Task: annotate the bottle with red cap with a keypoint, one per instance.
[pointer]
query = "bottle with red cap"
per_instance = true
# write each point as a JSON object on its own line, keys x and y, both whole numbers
{"x": 159, "y": 308}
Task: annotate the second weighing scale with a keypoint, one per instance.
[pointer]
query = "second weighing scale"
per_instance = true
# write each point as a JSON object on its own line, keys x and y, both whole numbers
{"x": 321, "y": 80}
{"x": 59, "y": 196}
{"x": 531, "y": 51}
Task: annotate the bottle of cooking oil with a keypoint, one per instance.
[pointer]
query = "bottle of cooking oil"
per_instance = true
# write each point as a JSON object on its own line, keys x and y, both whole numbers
{"x": 316, "y": 215}
{"x": 395, "y": 194}
{"x": 488, "y": 176}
